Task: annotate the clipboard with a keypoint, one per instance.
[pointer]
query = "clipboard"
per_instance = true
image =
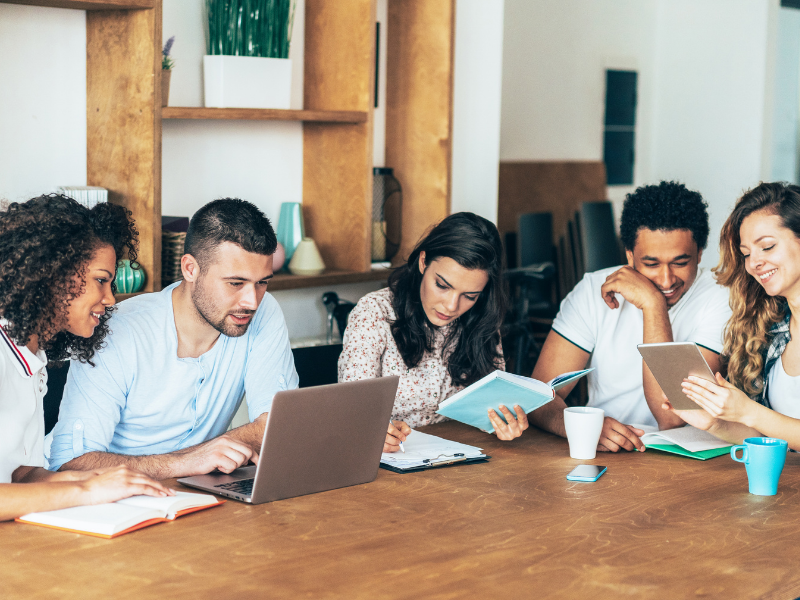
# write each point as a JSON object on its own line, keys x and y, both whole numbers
{"x": 435, "y": 464}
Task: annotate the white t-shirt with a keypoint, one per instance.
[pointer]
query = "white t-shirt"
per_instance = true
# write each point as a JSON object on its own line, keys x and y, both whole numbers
{"x": 784, "y": 391}
{"x": 23, "y": 384}
{"x": 611, "y": 336}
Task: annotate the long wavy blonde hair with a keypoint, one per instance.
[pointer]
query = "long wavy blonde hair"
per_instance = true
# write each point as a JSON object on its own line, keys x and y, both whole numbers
{"x": 754, "y": 311}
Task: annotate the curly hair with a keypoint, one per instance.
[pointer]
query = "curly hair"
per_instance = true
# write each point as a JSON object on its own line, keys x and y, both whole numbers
{"x": 754, "y": 311}
{"x": 474, "y": 243}
{"x": 45, "y": 246}
{"x": 664, "y": 207}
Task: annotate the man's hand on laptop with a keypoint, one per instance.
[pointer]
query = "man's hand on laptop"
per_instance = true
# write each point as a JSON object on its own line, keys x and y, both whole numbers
{"x": 222, "y": 454}
{"x": 616, "y": 436}
{"x": 634, "y": 287}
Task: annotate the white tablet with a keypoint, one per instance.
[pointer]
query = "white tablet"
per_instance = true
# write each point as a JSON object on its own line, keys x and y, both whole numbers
{"x": 671, "y": 363}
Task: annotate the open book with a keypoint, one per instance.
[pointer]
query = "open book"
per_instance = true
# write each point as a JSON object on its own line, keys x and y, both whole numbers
{"x": 423, "y": 451}
{"x": 471, "y": 405}
{"x": 687, "y": 441}
{"x": 123, "y": 516}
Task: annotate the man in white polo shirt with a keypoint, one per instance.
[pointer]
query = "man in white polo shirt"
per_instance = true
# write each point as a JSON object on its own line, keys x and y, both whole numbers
{"x": 661, "y": 295}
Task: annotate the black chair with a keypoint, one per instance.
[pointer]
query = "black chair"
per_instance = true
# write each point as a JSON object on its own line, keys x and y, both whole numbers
{"x": 56, "y": 379}
{"x": 600, "y": 246}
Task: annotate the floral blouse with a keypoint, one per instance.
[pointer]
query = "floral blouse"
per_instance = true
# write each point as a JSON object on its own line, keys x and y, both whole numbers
{"x": 371, "y": 351}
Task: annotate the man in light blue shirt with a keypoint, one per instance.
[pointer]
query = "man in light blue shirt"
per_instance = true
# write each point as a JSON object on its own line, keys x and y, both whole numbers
{"x": 177, "y": 363}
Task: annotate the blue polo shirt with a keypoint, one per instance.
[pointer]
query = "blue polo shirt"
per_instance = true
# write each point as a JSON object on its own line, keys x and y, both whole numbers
{"x": 141, "y": 399}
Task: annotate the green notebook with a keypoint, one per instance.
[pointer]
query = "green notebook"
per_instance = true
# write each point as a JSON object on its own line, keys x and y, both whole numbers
{"x": 687, "y": 441}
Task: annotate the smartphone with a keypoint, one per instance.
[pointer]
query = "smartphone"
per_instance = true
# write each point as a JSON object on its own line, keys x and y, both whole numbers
{"x": 586, "y": 473}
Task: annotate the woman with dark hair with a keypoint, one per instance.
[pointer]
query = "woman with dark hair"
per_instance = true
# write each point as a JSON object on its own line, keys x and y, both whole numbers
{"x": 760, "y": 264}
{"x": 57, "y": 266}
{"x": 437, "y": 326}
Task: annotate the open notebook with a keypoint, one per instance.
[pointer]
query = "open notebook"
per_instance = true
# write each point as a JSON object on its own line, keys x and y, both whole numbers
{"x": 686, "y": 441}
{"x": 123, "y": 516}
{"x": 424, "y": 451}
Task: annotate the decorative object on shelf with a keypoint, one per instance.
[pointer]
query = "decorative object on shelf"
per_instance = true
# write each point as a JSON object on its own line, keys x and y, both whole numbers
{"x": 306, "y": 259}
{"x": 278, "y": 258}
{"x": 247, "y": 62}
{"x": 129, "y": 279}
{"x": 167, "y": 62}
{"x": 173, "y": 237}
{"x": 387, "y": 214}
{"x": 290, "y": 227}
{"x": 87, "y": 195}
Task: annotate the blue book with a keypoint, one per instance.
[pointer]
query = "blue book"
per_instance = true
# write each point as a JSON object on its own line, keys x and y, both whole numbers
{"x": 471, "y": 405}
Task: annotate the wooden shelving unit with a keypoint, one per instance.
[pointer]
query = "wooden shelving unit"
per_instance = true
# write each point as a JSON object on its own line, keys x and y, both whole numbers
{"x": 123, "y": 60}
{"x": 262, "y": 114}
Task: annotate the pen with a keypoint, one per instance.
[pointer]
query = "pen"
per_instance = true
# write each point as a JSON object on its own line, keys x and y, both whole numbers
{"x": 403, "y": 450}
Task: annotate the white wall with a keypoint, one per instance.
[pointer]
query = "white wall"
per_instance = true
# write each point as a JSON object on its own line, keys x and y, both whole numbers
{"x": 477, "y": 84}
{"x": 704, "y": 71}
{"x": 787, "y": 97}
{"x": 42, "y": 100}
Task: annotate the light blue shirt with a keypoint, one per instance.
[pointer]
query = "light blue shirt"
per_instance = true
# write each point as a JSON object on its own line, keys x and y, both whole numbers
{"x": 141, "y": 399}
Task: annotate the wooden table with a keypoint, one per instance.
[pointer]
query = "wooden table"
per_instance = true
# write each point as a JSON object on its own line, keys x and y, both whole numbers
{"x": 654, "y": 526}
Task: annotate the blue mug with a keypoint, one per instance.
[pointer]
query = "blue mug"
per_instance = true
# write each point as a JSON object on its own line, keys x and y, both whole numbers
{"x": 763, "y": 458}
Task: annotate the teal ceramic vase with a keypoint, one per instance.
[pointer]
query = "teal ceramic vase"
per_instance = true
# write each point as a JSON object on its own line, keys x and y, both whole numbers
{"x": 290, "y": 228}
{"x": 129, "y": 280}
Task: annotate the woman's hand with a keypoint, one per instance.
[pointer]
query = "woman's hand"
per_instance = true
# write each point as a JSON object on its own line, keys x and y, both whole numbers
{"x": 720, "y": 400}
{"x": 699, "y": 419}
{"x": 513, "y": 426}
{"x": 116, "y": 483}
{"x": 398, "y": 432}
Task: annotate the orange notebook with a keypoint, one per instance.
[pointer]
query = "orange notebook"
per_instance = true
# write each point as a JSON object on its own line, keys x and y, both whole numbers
{"x": 117, "y": 518}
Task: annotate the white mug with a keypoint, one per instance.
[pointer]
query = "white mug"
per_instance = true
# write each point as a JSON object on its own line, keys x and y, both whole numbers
{"x": 584, "y": 425}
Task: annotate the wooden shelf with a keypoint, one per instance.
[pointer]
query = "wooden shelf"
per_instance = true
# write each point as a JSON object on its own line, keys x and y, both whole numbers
{"x": 87, "y": 4}
{"x": 264, "y": 114}
{"x": 284, "y": 281}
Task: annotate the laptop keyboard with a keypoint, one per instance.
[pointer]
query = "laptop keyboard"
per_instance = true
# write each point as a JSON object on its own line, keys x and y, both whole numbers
{"x": 245, "y": 486}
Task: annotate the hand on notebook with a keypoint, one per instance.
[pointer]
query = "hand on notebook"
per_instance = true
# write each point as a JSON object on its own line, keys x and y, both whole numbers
{"x": 116, "y": 483}
{"x": 513, "y": 426}
{"x": 398, "y": 432}
{"x": 223, "y": 454}
{"x": 616, "y": 436}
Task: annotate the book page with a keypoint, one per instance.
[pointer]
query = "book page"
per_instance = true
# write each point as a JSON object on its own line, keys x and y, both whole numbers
{"x": 106, "y": 519}
{"x": 689, "y": 438}
{"x": 170, "y": 505}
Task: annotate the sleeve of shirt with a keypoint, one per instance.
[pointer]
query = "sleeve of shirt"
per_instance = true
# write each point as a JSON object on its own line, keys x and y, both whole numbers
{"x": 93, "y": 401}
{"x": 364, "y": 342}
{"x": 577, "y": 320}
{"x": 713, "y": 314}
{"x": 270, "y": 363}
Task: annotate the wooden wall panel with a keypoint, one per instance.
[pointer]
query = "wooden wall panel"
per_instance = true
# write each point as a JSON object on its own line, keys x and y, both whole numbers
{"x": 337, "y": 159}
{"x": 123, "y": 63}
{"x": 419, "y": 100}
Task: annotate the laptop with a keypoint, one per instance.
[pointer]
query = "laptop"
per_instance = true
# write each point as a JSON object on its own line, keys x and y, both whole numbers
{"x": 316, "y": 439}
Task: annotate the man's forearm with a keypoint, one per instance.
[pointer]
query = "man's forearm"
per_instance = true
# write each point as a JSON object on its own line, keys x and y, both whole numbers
{"x": 550, "y": 417}
{"x": 251, "y": 434}
{"x": 157, "y": 466}
{"x": 657, "y": 329}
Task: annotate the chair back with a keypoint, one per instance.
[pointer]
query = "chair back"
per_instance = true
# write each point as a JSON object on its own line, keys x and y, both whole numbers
{"x": 598, "y": 236}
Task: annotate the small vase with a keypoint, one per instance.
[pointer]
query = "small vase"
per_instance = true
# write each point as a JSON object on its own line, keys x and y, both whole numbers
{"x": 306, "y": 259}
{"x": 129, "y": 280}
{"x": 166, "y": 75}
{"x": 247, "y": 82}
{"x": 290, "y": 227}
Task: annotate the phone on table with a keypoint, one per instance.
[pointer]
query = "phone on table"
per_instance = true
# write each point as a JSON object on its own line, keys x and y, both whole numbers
{"x": 586, "y": 473}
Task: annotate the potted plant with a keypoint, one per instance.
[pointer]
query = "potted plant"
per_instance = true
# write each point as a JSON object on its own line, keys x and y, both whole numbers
{"x": 167, "y": 62}
{"x": 247, "y": 64}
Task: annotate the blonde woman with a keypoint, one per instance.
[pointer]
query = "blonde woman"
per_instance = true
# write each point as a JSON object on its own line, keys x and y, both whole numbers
{"x": 760, "y": 264}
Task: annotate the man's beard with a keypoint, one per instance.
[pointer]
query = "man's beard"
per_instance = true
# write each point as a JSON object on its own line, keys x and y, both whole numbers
{"x": 215, "y": 317}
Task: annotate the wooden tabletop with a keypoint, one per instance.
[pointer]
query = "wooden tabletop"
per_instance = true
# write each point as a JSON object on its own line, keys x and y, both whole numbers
{"x": 654, "y": 526}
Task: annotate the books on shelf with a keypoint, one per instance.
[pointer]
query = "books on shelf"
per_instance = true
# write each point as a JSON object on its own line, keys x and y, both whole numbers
{"x": 471, "y": 405}
{"x": 687, "y": 441}
{"x": 117, "y": 518}
{"x": 88, "y": 195}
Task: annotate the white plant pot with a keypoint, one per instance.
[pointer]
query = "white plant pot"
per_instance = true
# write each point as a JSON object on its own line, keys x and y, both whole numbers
{"x": 247, "y": 82}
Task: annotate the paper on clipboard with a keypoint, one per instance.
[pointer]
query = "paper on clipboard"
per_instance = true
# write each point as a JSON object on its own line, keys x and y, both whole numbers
{"x": 424, "y": 450}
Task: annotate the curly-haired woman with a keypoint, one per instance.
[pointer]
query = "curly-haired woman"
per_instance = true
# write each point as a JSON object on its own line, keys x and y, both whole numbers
{"x": 760, "y": 264}
{"x": 57, "y": 266}
{"x": 437, "y": 326}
